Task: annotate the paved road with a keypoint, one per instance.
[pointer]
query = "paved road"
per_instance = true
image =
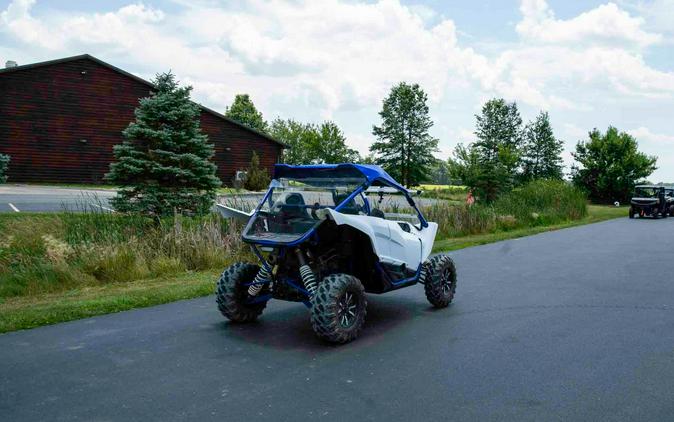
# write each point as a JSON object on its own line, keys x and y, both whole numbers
{"x": 24, "y": 198}
{"x": 569, "y": 325}
{"x": 27, "y": 198}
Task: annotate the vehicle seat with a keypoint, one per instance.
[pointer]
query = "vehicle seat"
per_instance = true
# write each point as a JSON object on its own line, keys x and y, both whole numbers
{"x": 348, "y": 208}
{"x": 294, "y": 206}
{"x": 376, "y": 212}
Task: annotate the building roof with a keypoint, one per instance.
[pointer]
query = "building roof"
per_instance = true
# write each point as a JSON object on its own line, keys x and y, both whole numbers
{"x": 136, "y": 78}
{"x": 375, "y": 175}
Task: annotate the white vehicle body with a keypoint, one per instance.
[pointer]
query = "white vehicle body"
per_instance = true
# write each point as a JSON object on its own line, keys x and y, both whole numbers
{"x": 390, "y": 242}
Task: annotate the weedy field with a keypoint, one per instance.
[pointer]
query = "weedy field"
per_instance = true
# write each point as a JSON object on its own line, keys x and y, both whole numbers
{"x": 64, "y": 266}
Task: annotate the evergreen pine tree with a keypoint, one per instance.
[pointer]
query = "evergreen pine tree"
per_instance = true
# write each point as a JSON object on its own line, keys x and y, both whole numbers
{"x": 541, "y": 152}
{"x": 404, "y": 147}
{"x": 256, "y": 178}
{"x": 4, "y": 164}
{"x": 243, "y": 111}
{"x": 163, "y": 164}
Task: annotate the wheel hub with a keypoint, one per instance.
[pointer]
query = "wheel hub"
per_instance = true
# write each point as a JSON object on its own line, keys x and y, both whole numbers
{"x": 446, "y": 282}
{"x": 347, "y": 308}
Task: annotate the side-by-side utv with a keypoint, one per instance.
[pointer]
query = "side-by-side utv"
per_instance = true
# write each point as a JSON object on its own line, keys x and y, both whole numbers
{"x": 652, "y": 201}
{"x": 324, "y": 236}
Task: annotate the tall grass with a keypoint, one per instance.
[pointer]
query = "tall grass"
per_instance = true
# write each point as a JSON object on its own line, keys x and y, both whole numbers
{"x": 538, "y": 203}
{"x": 49, "y": 253}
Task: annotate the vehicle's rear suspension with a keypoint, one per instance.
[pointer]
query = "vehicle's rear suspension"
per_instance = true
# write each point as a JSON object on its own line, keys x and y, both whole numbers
{"x": 307, "y": 274}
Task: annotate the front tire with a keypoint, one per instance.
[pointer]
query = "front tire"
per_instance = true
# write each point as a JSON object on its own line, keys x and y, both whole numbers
{"x": 231, "y": 293}
{"x": 631, "y": 212}
{"x": 338, "y": 308}
{"x": 440, "y": 283}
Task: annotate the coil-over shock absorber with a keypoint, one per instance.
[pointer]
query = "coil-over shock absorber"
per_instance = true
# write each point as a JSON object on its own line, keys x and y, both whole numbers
{"x": 308, "y": 277}
{"x": 263, "y": 277}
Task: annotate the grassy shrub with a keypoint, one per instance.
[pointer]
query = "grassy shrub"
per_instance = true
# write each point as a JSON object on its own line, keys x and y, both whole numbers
{"x": 541, "y": 202}
{"x": 56, "y": 252}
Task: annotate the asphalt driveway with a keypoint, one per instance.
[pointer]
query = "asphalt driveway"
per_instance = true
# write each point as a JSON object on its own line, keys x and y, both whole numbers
{"x": 31, "y": 198}
{"x": 576, "y": 324}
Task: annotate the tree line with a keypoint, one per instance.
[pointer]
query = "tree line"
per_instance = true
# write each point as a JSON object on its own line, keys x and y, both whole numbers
{"x": 506, "y": 153}
{"x": 164, "y": 164}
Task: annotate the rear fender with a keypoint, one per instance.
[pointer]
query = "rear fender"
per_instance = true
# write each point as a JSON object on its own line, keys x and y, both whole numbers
{"x": 376, "y": 229}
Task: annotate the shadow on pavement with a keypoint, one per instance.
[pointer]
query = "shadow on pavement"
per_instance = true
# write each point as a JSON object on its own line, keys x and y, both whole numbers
{"x": 290, "y": 328}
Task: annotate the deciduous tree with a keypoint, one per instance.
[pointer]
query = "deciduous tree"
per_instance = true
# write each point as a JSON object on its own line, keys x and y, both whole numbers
{"x": 311, "y": 144}
{"x": 610, "y": 164}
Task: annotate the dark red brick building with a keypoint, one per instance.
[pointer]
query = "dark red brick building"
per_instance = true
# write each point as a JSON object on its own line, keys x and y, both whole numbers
{"x": 60, "y": 119}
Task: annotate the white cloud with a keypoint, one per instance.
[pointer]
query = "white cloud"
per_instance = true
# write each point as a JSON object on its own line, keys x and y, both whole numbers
{"x": 658, "y": 13}
{"x": 606, "y": 23}
{"x": 644, "y": 134}
{"x": 296, "y": 63}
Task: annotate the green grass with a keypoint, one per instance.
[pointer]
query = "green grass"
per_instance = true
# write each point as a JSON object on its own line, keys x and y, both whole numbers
{"x": 28, "y": 312}
{"x": 57, "y": 297}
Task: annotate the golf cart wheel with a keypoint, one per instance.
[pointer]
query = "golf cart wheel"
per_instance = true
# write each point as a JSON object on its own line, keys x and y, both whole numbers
{"x": 440, "y": 283}
{"x": 231, "y": 293}
{"x": 338, "y": 308}
{"x": 631, "y": 212}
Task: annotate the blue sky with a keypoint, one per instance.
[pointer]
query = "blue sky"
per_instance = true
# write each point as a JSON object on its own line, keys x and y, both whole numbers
{"x": 588, "y": 63}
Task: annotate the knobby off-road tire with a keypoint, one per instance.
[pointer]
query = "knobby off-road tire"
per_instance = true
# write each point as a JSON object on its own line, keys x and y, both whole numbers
{"x": 231, "y": 294}
{"x": 338, "y": 308}
{"x": 440, "y": 283}
{"x": 631, "y": 212}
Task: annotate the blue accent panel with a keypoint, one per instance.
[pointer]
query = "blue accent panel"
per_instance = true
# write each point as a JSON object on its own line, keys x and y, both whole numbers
{"x": 374, "y": 174}
{"x": 307, "y": 303}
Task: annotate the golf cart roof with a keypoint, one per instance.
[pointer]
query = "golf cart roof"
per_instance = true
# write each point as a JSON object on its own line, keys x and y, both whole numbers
{"x": 375, "y": 175}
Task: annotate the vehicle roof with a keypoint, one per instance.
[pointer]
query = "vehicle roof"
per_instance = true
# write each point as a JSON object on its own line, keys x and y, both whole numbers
{"x": 652, "y": 186}
{"x": 374, "y": 174}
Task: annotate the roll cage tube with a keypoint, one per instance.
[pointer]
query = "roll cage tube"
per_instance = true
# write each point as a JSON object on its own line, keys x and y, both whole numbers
{"x": 410, "y": 201}
{"x": 309, "y": 233}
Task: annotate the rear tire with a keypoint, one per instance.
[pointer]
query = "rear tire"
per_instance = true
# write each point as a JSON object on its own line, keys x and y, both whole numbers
{"x": 440, "y": 283}
{"x": 231, "y": 293}
{"x": 338, "y": 308}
